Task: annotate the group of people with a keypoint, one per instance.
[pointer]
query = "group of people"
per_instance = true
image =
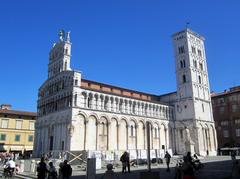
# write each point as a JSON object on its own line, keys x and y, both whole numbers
{"x": 49, "y": 171}
{"x": 125, "y": 162}
{"x": 10, "y": 167}
{"x": 185, "y": 169}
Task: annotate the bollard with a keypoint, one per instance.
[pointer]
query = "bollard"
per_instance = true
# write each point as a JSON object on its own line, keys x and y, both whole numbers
{"x": 21, "y": 166}
{"x": 91, "y": 168}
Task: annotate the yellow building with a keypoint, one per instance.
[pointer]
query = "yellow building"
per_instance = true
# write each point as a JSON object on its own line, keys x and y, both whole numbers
{"x": 16, "y": 130}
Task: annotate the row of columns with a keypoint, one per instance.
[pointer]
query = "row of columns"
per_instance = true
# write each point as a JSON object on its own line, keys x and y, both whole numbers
{"x": 122, "y": 105}
{"x": 121, "y": 136}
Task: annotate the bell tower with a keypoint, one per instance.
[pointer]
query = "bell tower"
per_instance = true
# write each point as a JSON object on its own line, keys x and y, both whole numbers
{"x": 60, "y": 55}
{"x": 193, "y": 104}
{"x": 192, "y": 77}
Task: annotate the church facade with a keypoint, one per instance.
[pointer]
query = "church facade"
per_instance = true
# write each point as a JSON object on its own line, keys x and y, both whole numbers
{"x": 76, "y": 114}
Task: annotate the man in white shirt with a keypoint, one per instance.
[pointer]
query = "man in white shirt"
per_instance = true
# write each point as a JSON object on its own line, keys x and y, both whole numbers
{"x": 11, "y": 164}
{"x": 9, "y": 168}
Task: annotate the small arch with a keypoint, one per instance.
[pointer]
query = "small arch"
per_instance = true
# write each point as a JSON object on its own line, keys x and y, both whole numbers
{"x": 181, "y": 64}
{"x": 199, "y": 79}
{"x": 184, "y": 78}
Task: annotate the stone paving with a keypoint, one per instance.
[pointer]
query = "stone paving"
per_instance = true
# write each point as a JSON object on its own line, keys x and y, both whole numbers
{"x": 219, "y": 167}
{"x": 214, "y": 168}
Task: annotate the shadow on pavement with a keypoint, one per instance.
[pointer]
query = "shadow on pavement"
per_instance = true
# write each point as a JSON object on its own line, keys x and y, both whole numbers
{"x": 211, "y": 170}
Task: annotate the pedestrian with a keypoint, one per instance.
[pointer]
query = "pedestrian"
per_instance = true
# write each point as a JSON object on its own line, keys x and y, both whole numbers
{"x": 52, "y": 172}
{"x": 42, "y": 169}
{"x": 110, "y": 174}
{"x": 123, "y": 159}
{"x": 236, "y": 169}
{"x": 167, "y": 158}
{"x": 60, "y": 171}
{"x": 233, "y": 155}
{"x": 128, "y": 161}
{"x": 187, "y": 169}
{"x": 66, "y": 170}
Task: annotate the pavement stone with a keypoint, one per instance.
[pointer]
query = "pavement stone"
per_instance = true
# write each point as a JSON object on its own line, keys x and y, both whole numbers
{"x": 219, "y": 167}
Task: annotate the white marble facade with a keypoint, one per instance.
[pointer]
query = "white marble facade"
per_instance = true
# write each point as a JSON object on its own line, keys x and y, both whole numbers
{"x": 74, "y": 117}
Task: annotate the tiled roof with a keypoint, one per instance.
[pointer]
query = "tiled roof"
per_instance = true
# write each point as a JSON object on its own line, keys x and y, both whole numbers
{"x": 14, "y": 112}
{"x": 93, "y": 85}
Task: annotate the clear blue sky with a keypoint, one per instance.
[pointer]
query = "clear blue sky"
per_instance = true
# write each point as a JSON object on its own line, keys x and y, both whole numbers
{"x": 120, "y": 42}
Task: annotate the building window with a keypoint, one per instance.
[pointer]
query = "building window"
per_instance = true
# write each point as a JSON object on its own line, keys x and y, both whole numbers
{"x": 2, "y": 137}
{"x": 181, "y": 50}
{"x": 202, "y": 107}
{"x": 199, "y": 53}
{"x": 221, "y": 100}
{"x": 201, "y": 66}
{"x": 233, "y": 98}
{"x": 184, "y": 78}
{"x": 195, "y": 63}
{"x": 237, "y": 121}
{"x": 199, "y": 79}
{"x": 181, "y": 64}
{"x": 66, "y": 51}
{"x": 65, "y": 66}
{"x": 18, "y": 124}
{"x": 224, "y": 123}
{"x": 225, "y": 134}
{"x": 102, "y": 129}
{"x": 184, "y": 63}
{"x": 31, "y": 125}
{"x": 76, "y": 82}
{"x": 234, "y": 108}
{"x": 193, "y": 50}
{"x": 132, "y": 134}
{"x": 221, "y": 109}
{"x": 62, "y": 145}
{"x": 4, "y": 123}
{"x": 238, "y": 132}
{"x": 30, "y": 138}
{"x": 17, "y": 138}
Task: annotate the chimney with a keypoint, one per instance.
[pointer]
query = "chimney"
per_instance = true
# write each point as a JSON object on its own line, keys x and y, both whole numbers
{"x": 6, "y": 106}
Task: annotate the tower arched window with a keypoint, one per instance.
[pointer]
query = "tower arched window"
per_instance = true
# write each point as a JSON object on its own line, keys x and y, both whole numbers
{"x": 184, "y": 64}
{"x": 102, "y": 128}
{"x": 65, "y": 66}
{"x": 195, "y": 63}
{"x": 201, "y": 66}
{"x": 75, "y": 100}
{"x": 199, "y": 79}
{"x": 89, "y": 102}
{"x": 181, "y": 64}
{"x": 202, "y": 107}
{"x": 132, "y": 134}
{"x": 184, "y": 78}
{"x": 66, "y": 51}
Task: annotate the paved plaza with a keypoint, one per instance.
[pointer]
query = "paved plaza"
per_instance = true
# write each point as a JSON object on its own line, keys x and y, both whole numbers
{"x": 219, "y": 167}
{"x": 214, "y": 167}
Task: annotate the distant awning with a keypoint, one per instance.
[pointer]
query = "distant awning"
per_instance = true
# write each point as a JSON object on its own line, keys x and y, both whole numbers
{"x": 27, "y": 148}
{"x": 16, "y": 148}
{"x": 228, "y": 148}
